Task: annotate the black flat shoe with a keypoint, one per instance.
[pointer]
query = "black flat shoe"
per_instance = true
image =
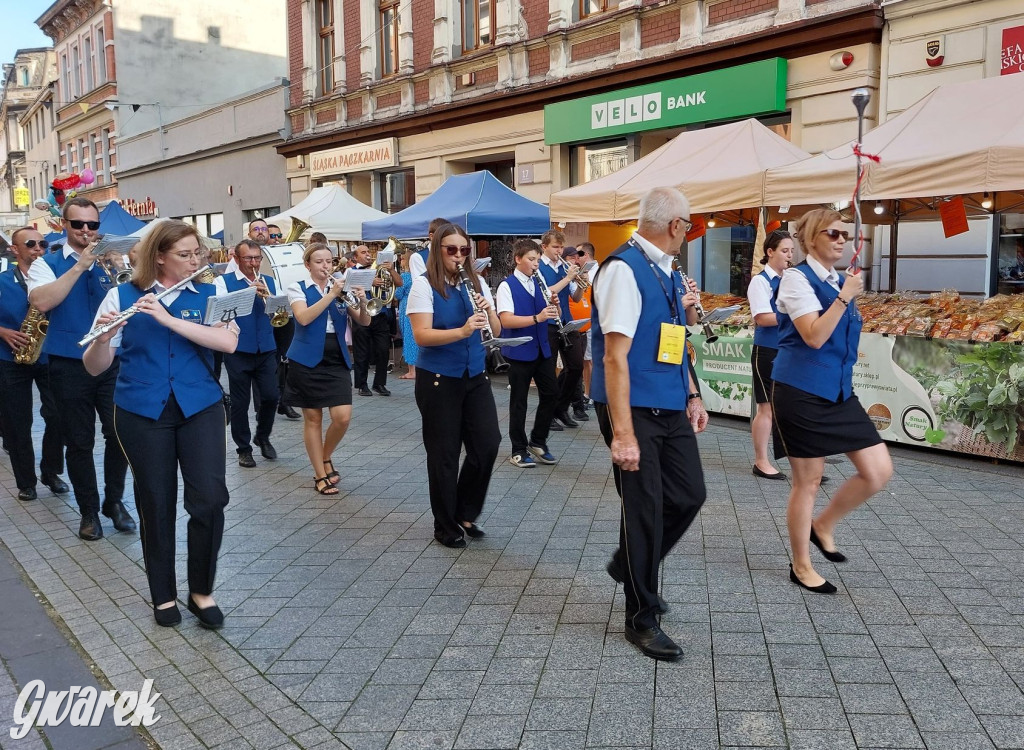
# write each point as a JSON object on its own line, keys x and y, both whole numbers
{"x": 364, "y": 391}
{"x": 90, "y": 529}
{"x": 119, "y": 514}
{"x": 766, "y": 475}
{"x": 456, "y": 542}
{"x": 246, "y": 461}
{"x": 26, "y": 494}
{"x": 167, "y": 618}
{"x": 617, "y": 575}
{"x": 288, "y": 412}
{"x": 836, "y": 556}
{"x": 56, "y": 485}
{"x": 473, "y": 531}
{"x": 654, "y": 643}
{"x": 555, "y": 427}
{"x": 210, "y": 618}
{"x": 266, "y": 449}
{"x": 825, "y": 588}
{"x": 566, "y": 420}
{"x": 381, "y": 390}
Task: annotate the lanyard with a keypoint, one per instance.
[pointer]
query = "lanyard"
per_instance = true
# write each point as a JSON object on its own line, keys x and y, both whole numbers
{"x": 20, "y": 278}
{"x": 670, "y": 298}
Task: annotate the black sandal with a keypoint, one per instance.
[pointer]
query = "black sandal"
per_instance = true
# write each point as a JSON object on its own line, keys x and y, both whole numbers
{"x": 332, "y": 474}
{"x": 327, "y": 488}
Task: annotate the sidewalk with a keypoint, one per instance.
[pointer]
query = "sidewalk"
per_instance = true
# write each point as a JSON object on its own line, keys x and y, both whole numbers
{"x": 347, "y": 627}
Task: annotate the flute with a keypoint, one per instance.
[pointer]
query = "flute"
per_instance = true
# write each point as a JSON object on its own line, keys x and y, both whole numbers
{"x": 122, "y": 316}
{"x": 709, "y": 335}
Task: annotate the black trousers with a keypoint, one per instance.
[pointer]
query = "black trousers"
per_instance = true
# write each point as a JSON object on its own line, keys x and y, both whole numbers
{"x": 80, "y": 397}
{"x": 457, "y": 413}
{"x": 16, "y": 416}
{"x": 542, "y": 370}
{"x": 252, "y": 373}
{"x": 572, "y": 365}
{"x": 371, "y": 343}
{"x": 283, "y": 339}
{"x": 659, "y": 502}
{"x": 157, "y": 448}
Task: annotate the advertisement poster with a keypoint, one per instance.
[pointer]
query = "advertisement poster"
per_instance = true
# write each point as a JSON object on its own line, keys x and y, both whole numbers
{"x": 950, "y": 395}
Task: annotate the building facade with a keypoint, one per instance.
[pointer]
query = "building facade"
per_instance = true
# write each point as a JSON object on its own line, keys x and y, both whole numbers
{"x": 42, "y": 153}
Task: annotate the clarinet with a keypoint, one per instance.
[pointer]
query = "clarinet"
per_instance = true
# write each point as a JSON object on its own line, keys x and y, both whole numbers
{"x": 562, "y": 333}
{"x": 467, "y": 284}
{"x": 709, "y": 335}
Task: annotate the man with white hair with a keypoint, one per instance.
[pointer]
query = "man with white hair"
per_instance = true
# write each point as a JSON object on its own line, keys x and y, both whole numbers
{"x": 648, "y": 408}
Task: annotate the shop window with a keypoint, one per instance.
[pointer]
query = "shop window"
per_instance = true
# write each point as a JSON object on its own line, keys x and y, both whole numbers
{"x": 252, "y": 214}
{"x": 397, "y": 190}
{"x": 325, "y": 46}
{"x": 587, "y": 8}
{"x": 477, "y": 24}
{"x": 593, "y": 160}
{"x": 726, "y": 258}
{"x": 388, "y": 37}
{"x": 1010, "y": 258}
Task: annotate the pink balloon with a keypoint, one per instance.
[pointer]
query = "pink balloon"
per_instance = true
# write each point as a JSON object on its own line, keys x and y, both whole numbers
{"x": 88, "y": 176}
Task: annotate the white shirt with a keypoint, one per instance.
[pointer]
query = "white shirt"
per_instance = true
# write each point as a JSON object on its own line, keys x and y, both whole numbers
{"x": 504, "y": 299}
{"x": 556, "y": 265}
{"x": 112, "y": 304}
{"x": 618, "y": 294}
{"x": 295, "y": 294}
{"x": 40, "y": 273}
{"x": 416, "y": 265}
{"x": 759, "y": 292}
{"x": 796, "y": 295}
{"x": 421, "y": 297}
{"x": 222, "y": 287}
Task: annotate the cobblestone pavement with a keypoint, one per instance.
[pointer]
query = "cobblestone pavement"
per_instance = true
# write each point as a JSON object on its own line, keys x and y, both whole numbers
{"x": 347, "y": 627}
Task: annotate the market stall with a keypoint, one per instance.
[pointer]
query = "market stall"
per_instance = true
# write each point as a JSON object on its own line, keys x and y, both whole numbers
{"x": 329, "y": 210}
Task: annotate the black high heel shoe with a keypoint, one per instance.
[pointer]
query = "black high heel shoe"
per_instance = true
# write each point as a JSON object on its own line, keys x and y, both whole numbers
{"x": 835, "y": 557}
{"x": 824, "y": 588}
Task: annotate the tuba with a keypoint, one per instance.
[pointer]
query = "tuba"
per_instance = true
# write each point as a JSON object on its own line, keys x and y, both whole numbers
{"x": 384, "y": 295}
{"x": 298, "y": 227}
{"x": 34, "y": 326}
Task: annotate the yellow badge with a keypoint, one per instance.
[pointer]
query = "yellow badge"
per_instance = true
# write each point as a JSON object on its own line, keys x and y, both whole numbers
{"x": 672, "y": 344}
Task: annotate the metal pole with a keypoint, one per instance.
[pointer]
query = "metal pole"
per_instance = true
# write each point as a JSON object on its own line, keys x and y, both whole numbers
{"x": 860, "y": 97}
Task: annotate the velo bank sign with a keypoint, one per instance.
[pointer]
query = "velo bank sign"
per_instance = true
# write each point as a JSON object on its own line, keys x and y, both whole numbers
{"x": 743, "y": 91}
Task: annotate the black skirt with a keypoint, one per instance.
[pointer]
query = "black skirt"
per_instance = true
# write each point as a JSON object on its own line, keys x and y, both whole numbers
{"x": 808, "y": 426}
{"x": 328, "y": 384}
{"x": 762, "y": 358}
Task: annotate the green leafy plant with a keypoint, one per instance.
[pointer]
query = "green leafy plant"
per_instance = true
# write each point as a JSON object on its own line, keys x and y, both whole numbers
{"x": 985, "y": 391}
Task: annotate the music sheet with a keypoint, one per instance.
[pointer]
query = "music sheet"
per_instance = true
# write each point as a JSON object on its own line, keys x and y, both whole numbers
{"x": 227, "y": 307}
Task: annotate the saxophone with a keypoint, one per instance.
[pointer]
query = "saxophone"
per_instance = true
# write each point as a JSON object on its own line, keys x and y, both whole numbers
{"x": 34, "y": 326}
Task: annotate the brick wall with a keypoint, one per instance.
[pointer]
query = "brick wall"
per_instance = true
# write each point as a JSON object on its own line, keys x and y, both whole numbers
{"x": 298, "y": 123}
{"x": 594, "y": 47}
{"x": 422, "y": 34}
{"x": 391, "y": 99}
{"x": 536, "y": 14}
{"x": 814, "y": 2}
{"x": 730, "y": 10}
{"x": 326, "y": 115}
{"x": 487, "y": 76}
{"x": 294, "y": 16}
{"x": 659, "y": 29}
{"x": 421, "y": 90}
{"x": 355, "y": 109}
{"x": 352, "y": 40}
{"x": 540, "y": 61}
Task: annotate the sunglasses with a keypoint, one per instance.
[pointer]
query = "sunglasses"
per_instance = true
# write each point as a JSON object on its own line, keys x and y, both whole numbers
{"x": 79, "y": 224}
{"x": 580, "y": 253}
{"x": 276, "y": 236}
{"x": 453, "y": 250}
{"x": 43, "y": 244}
{"x": 835, "y": 234}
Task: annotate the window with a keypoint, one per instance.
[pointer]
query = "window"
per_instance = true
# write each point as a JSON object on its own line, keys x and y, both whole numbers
{"x": 80, "y": 156}
{"x": 101, "y": 57}
{"x": 89, "y": 63}
{"x": 477, "y": 20}
{"x": 586, "y": 8}
{"x": 388, "y": 37}
{"x": 325, "y": 46}
{"x": 69, "y": 162}
{"x": 94, "y": 154}
{"x": 397, "y": 190}
{"x": 76, "y": 73}
{"x": 23, "y": 75}
{"x": 593, "y": 160}
{"x": 108, "y": 153}
{"x": 251, "y": 214}
{"x": 65, "y": 78}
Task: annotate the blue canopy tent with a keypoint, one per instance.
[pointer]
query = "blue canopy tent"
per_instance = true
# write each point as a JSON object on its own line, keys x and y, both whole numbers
{"x": 219, "y": 236}
{"x": 114, "y": 221}
{"x": 478, "y": 202}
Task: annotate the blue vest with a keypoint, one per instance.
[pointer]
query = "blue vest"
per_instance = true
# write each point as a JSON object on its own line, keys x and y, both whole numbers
{"x": 552, "y": 277}
{"x": 72, "y": 318}
{"x": 156, "y": 362}
{"x": 652, "y": 384}
{"x": 524, "y": 304}
{"x": 460, "y": 356}
{"x": 307, "y": 346}
{"x": 826, "y": 372}
{"x": 13, "y": 307}
{"x": 423, "y": 254}
{"x": 255, "y": 334}
{"x": 768, "y": 336}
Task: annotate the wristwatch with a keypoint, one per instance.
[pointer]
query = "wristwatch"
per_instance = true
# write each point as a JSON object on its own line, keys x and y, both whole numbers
{"x": 535, "y": 321}
{"x": 692, "y": 396}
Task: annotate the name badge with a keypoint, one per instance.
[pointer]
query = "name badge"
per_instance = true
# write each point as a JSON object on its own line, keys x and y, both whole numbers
{"x": 192, "y": 315}
{"x": 672, "y": 344}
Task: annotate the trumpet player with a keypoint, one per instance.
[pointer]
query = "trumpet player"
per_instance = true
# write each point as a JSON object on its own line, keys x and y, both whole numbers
{"x": 648, "y": 408}
{"x": 70, "y": 285}
{"x": 560, "y": 278}
{"x": 254, "y": 361}
{"x": 16, "y": 379}
{"x": 372, "y": 343}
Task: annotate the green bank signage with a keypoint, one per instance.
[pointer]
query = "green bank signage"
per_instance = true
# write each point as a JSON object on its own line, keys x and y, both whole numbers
{"x": 743, "y": 91}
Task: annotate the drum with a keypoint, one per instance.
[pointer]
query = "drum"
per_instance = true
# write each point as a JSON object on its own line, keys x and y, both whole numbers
{"x": 283, "y": 263}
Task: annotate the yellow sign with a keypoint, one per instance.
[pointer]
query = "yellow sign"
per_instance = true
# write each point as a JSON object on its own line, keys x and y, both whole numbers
{"x": 365, "y": 156}
{"x": 22, "y": 197}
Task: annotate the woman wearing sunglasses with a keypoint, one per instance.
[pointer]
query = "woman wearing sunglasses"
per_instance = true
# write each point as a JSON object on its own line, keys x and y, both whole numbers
{"x": 453, "y": 392}
{"x": 816, "y": 412}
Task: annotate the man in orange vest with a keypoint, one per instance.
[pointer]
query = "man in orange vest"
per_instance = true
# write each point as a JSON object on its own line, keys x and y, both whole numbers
{"x": 583, "y": 254}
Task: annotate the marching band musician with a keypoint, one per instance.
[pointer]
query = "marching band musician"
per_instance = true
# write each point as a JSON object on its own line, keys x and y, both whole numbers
{"x": 418, "y": 259}
{"x": 371, "y": 341}
{"x": 70, "y": 285}
{"x": 254, "y": 361}
{"x": 169, "y": 413}
{"x": 559, "y": 278}
{"x": 453, "y": 392}
{"x": 320, "y": 370}
{"x": 16, "y": 379}
{"x": 648, "y": 407}
{"x": 523, "y": 311}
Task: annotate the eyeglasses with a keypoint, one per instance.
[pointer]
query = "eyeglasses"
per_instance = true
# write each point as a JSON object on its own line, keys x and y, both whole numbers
{"x": 79, "y": 224}
{"x": 687, "y": 224}
{"x": 187, "y": 256}
{"x": 580, "y": 253}
{"x": 258, "y": 229}
{"x": 453, "y": 250}
{"x": 252, "y": 258}
{"x": 835, "y": 234}
{"x": 43, "y": 244}
{"x": 276, "y": 236}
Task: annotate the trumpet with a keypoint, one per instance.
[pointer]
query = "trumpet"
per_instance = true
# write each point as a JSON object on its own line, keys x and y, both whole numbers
{"x": 348, "y": 299}
{"x": 114, "y": 263}
{"x": 485, "y": 333}
{"x": 99, "y": 330}
{"x": 709, "y": 335}
{"x": 581, "y": 279}
{"x": 562, "y": 333}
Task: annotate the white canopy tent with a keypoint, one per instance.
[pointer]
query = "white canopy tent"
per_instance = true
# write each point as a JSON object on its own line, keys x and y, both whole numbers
{"x": 718, "y": 169}
{"x": 330, "y": 210}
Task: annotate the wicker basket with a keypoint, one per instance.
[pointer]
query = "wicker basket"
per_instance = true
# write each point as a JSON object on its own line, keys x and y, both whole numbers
{"x": 978, "y": 445}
